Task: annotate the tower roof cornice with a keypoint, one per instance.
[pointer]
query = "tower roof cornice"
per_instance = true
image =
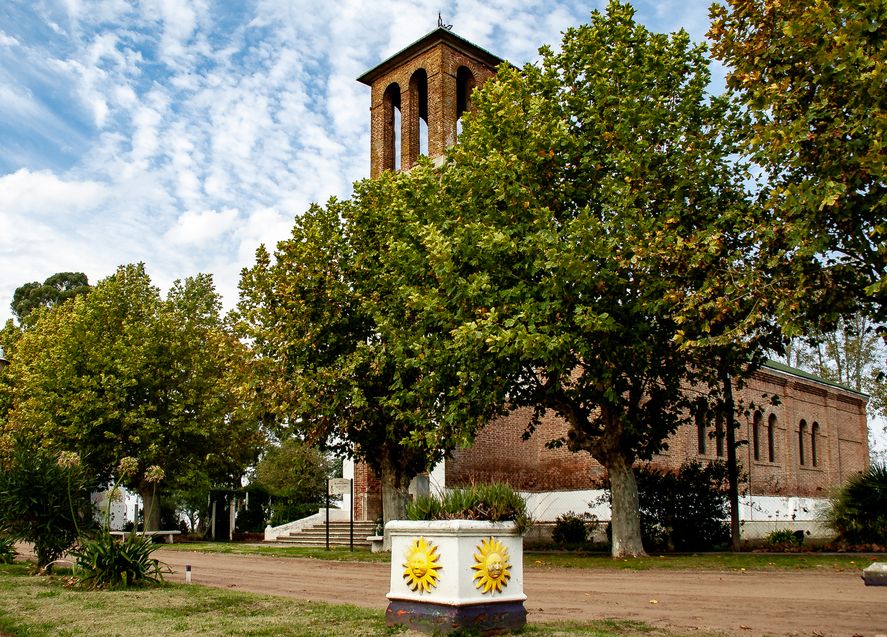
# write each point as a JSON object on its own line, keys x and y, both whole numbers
{"x": 423, "y": 44}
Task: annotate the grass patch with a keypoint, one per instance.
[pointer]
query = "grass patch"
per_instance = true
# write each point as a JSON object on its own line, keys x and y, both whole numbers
{"x": 32, "y": 606}
{"x": 706, "y": 561}
{"x": 335, "y": 553}
{"x": 554, "y": 559}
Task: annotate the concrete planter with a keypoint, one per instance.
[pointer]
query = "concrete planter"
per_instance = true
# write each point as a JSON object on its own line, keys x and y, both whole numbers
{"x": 454, "y": 575}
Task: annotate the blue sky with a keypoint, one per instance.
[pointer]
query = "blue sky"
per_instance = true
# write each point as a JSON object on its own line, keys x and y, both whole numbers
{"x": 184, "y": 133}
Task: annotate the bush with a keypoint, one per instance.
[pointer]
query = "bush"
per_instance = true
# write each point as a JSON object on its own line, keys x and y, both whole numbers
{"x": 685, "y": 510}
{"x": 491, "y": 502}
{"x": 571, "y": 529}
{"x": 785, "y": 538}
{"x": 858, "y": 511}
{"x": 44, "y": 499}
{"x": 103, "y": 562}
{"x": 7, "y": 550}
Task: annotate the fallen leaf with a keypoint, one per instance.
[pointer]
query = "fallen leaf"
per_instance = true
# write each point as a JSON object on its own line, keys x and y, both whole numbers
{"x": 653, "y": 601}
{"x": 744, "y": 627}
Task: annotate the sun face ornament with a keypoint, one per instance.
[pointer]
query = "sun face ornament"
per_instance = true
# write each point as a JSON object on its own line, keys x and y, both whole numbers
{"x": 492, "y": 566}
{"x": 421, "y": 565}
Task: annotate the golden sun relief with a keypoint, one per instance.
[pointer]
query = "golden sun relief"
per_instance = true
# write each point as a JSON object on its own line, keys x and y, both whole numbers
{"x": 421, "y": 565}
{"x": 492, "y": 566}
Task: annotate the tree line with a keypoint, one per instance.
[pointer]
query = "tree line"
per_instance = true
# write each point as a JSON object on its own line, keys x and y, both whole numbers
{"x": 605, "y": 234}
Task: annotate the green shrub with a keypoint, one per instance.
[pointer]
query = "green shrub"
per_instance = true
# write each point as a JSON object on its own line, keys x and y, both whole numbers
{"x": 785, "y": 538}
{"x": 7, "y": 550}
{"x": 491, "y": 502}
{"x": 571, "y": 529}
{"x": 106, "y": 563}
{"x": 44, "y": 499}
{"x": 684, "y": 510}
{"x": 858, "y": 511}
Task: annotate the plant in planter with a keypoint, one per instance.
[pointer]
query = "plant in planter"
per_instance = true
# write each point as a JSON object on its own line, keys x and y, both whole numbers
{"x": 457, "y": 563}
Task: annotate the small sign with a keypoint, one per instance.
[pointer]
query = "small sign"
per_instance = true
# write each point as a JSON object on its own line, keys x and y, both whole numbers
{"x": 340, "y": 486}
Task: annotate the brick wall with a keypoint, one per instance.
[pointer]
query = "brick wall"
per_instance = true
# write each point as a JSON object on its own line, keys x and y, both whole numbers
{"x": 499, "y": 454}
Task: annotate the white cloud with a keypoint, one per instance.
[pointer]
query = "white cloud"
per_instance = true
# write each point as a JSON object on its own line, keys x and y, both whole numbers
{"x": 199, "y": 228}
{"x": 42, "y": 193}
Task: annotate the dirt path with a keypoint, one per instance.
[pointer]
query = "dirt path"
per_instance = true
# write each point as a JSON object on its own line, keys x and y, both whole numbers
{"x": 799, "y": 603}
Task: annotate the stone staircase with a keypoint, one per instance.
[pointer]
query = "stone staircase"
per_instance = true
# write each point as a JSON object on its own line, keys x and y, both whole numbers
{"x": 316, "y": 535}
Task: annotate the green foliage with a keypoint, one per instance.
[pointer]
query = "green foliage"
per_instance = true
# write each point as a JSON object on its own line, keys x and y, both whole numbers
{"x": 858, "y": 512}
{"x": 55, "y": 290}
{"x": 785, "y": 538}
{"x": 491, "y": 502}
{"x": 106, "y": 563}
{"x": 7, "y": 550}
{"x": 121, "y": 371}
{"x": 812, "y": 75}
{"x": 684, "y": 510}
{"x": 253, "y": 517}
{"x": 571, "y": 529}
{"x": 44, "y": 499}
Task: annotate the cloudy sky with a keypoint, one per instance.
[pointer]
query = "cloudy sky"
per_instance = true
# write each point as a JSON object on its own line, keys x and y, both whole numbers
{"x": 183, "y": 133}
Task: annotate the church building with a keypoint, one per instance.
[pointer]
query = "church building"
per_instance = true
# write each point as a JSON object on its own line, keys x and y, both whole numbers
{"x": 796, "y": 452}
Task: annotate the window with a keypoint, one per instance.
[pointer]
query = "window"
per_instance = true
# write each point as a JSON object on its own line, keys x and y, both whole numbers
{"x": 391, "y": 128}
{"x": 771, "y": 438}
{"x": 465, "y": 83}
{"x": 719, "y": 436}
{"x": 802, "y": 432}
{"x": 418, "y": 124}
{"x": 814, "y": 434}
{"x": 701, "y": 432}
{"x": 756, "y": 435}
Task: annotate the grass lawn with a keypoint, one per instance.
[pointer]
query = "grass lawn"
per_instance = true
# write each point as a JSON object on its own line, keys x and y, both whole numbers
{"x": 709, "y": 561}
{"x": 32, "y": 606}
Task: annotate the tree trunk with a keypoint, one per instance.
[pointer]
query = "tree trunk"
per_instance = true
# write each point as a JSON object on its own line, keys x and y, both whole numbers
{"x": 151, "y": 504}
{"x": 732, "y": 468}
{"x": 625, "y": 519}
{"x": 394, "y": 497}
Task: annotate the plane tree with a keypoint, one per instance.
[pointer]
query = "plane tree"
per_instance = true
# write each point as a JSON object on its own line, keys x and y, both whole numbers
{"x": 546, "y": 247}
{"x": 122, "y": 372}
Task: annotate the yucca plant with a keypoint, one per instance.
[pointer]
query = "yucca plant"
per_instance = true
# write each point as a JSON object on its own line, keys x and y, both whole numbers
{"x": 103, "y": 562}
{"x": 7, "y": 550}
{"x": 858, "y": 511}
{"x": 490, "y": 502}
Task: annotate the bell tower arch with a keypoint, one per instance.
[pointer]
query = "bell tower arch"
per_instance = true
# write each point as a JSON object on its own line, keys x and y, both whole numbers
{"x": 430, "y": 83}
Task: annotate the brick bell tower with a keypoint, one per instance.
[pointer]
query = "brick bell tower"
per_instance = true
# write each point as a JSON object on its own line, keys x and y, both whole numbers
{"x": 429, "y": 81}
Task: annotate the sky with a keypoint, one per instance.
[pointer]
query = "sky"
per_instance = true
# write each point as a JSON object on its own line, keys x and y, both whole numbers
{"x": 184, "y": 133}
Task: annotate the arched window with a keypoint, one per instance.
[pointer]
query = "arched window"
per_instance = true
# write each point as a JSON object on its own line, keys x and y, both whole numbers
{"x": 814, "y": 434}
{"x": 756, "y": 435}
{"x": 771, "y": 438}
{"x": 701, "y": 431}
{"x": 391, "y": 158}
{"x": 465, "y": 83}
{"x": 802, "y": 432}
{"x": 418, "y": 124}
{"x": 719, "y": 436}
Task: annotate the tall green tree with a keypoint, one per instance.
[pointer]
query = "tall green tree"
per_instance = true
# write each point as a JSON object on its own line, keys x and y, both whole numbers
{"x": 56, "y": 289}
{"x": 329, "y": 373}
{"x": 121, "y": 371}
{"x": 812, "y": 76}
{"x": 541, "y": 266}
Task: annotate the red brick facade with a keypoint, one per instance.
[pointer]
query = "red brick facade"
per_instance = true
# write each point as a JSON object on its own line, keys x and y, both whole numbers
{"x": 841, "y": 444}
